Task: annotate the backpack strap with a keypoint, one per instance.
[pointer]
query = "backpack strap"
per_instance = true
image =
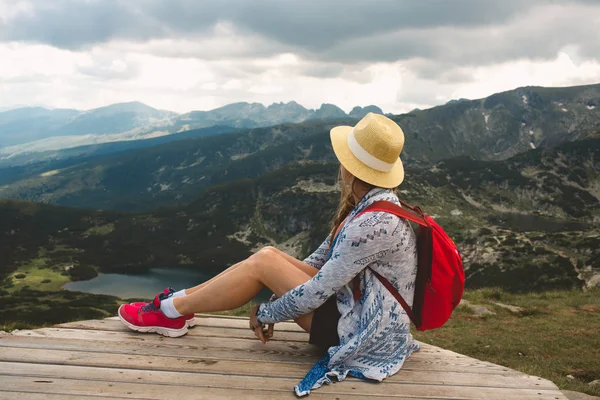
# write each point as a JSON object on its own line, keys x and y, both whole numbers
{"x": 415, "y": 215}
{"x": 397, "y": 295}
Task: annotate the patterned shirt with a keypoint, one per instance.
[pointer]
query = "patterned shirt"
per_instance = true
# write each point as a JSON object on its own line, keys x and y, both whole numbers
{"x": 374, "y": 332}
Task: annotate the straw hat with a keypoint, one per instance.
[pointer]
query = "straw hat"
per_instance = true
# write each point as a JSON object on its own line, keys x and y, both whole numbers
{"x": 371, "y": 150}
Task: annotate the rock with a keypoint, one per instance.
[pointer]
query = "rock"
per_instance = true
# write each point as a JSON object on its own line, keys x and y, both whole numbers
{"x": 513, "y": 309}
{"x": 571, "y": 395}
{"x": 570, "y": 377}
{"x": 476, "y": 309}
{"x": 4, "y": 333}
{"x": 480, "y": 310}
{"x": 595, "y": 383}
{"x": 594, "y": 281}
{"x": 456, "y": 212}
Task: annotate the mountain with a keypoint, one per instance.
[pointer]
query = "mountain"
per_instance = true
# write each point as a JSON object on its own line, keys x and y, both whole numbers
{"x": 29, "y": 124}
{"x": 37, "y": 160}
{"x": 247, "y": 115}
{"x": 169, "y": 174}
{"x": 504, "y": 124}
{"x": 31, "y": 130}
{"x": 456, "y": 100}
{"x": 359, "y": 112}
{"x": 329, "y": 111}
{"x": 175, "y": 173}
{"x": 115, "y": 118}
{"x": 27, "y": 132}
{"x": 527, "y": 223}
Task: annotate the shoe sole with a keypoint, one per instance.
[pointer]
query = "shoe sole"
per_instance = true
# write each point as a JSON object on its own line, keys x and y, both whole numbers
{"x": 161, "y": 330}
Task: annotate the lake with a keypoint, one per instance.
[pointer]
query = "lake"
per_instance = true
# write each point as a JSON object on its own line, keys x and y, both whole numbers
{"x": 147, "y": 284}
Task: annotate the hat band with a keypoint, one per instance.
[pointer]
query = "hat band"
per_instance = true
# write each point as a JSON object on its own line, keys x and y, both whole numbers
{"x": 365, "y": 157}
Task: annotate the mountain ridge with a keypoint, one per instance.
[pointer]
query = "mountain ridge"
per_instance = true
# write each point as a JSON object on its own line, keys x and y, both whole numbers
{"x": 26, "y": 130}
{"x": 494, "y": 128}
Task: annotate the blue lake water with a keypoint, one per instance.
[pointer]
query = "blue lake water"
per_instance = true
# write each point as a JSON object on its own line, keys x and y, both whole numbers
{"x": 147, "y": 284}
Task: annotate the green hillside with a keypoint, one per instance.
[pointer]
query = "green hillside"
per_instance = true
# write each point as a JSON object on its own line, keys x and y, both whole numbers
{"x": 524, "y": 224}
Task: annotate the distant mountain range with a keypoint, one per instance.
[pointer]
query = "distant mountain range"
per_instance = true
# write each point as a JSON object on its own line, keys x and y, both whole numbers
{"x": 26, "y": 125}
{"x": 24, "y": 131}
{"x": 174, "y": 173}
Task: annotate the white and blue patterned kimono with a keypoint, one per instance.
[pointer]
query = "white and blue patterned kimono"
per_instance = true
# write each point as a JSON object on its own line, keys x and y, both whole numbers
{"x": 374, "y": 333}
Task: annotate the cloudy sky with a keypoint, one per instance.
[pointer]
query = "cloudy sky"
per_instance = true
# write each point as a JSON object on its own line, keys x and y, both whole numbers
{"x": 182, "y": 55}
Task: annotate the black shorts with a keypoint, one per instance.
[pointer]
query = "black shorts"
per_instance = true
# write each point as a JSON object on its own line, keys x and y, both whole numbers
{"x": 323, "y": 330}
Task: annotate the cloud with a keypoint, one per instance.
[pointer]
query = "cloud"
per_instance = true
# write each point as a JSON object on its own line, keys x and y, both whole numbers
{"x": 189, "y": 54}
{"x": 109, "y": 68}
{"x": 74, "y": 24}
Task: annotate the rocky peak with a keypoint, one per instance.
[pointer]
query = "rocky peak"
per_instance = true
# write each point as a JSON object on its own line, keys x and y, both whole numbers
{"x": 359, "y": 112}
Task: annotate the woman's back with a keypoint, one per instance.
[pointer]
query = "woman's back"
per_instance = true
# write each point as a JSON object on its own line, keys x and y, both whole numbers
{"x": 374, "y": 330}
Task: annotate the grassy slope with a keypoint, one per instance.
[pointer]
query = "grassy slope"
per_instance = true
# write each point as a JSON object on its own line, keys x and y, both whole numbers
{"x": 556, "y": 334}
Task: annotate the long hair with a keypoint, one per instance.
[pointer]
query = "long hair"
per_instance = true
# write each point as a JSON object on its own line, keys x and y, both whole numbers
{"x": 347, "y": 202}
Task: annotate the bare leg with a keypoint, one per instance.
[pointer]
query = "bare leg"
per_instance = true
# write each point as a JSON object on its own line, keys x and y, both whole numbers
{"x": 308, "y": 269}
{"x": 241, "y": 284}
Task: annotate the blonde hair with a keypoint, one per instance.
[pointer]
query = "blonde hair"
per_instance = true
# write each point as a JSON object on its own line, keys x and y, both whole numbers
{"x": 347, "y": 202}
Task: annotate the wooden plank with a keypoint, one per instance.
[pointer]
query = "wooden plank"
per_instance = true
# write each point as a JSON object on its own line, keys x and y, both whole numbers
{"x": 206, "y": 331}
{"x": 49, "y": 374}
{"x": 436, "y": 360}
{"x": 224, "y": 321}
{"x": 221, "y": 332}
{"x": 403, "y": 377}
{"x": 233, "y": 322}
{"x": 194, "y": 343}
{"x": 257, "y": 354}
{"x": 198, "y": 363}
{"x": 49, "y": 396}
{"x": 234, "y": 349}
{"x": 152, "y": 391}
{"x": 434, "y": 357}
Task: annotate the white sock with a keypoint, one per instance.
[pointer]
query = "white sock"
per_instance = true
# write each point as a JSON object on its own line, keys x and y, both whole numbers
{"x": 168, "y": 308}
{"x": 179, "y": 293}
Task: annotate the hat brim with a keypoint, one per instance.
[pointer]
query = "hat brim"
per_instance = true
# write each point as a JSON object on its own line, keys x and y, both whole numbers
{"x": 339, "y": 142}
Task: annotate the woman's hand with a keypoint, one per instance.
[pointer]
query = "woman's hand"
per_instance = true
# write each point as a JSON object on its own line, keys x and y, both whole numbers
{"x": 258, "y": 328}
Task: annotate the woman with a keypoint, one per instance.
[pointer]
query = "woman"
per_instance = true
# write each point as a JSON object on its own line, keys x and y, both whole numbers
{"x": 368, "y": 337}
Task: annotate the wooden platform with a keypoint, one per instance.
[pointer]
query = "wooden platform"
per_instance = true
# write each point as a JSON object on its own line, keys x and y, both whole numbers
{"x": 221, "y": 359}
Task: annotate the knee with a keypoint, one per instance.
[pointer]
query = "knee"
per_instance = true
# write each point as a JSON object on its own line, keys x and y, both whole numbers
{"x": 261, "y": 261}
{"x": 266, "y": 253}
{"x": 270, "y": 250}
{"x": 262, "y": 257}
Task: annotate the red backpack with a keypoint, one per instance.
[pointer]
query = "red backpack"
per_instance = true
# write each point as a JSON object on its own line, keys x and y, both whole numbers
{"x": 440, "y": 278}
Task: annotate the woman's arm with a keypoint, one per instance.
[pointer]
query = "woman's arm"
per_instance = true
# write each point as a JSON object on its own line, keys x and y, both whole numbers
{"x": 319, "y": 257}
{"x": 357, "y": 247}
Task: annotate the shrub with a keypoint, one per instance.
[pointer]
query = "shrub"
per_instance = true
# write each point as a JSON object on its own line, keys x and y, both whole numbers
{"x": 485, "y": 231}
{"x": 20, "y": 276}
{"x": 82, "y": 272}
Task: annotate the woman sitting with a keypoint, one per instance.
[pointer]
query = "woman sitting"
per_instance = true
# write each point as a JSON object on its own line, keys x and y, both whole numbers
{"x": 366, "y": 336}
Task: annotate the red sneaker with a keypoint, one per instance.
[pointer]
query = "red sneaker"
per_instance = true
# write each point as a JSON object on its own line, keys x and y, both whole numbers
{"x": 190, "y": 319}
{"x": 149, "y": 318}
